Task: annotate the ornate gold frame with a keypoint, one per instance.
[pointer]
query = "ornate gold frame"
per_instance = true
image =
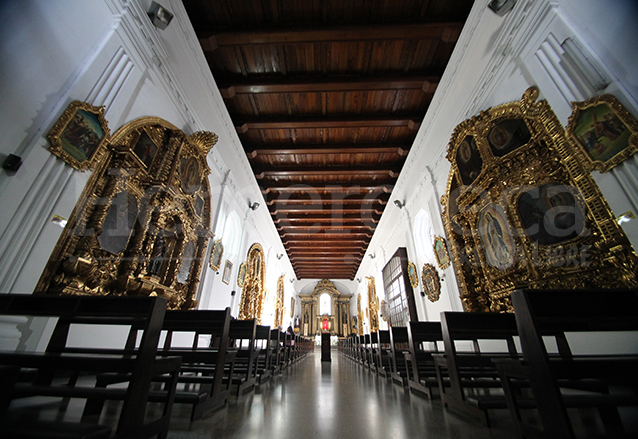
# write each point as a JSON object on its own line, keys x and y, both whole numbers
{"x": 228, "y": 268}
{"x": 373, "y": 305}
{"x": 445, "y": 263}
{"x": 216, "y": 255}
{"x": 614, "y": 138}
{"x": 412, "y": 275}
{"x": 76, "y": 114}
{"x": 252, "y": 298}
{"x": 241, "y": 274}
{"x": 162, "y": 250}
{"x": 431, "y": 282}
{"x": 536, "y": 153}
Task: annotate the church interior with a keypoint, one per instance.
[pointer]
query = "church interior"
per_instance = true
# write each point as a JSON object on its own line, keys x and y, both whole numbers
{"x": 293, "y": 218}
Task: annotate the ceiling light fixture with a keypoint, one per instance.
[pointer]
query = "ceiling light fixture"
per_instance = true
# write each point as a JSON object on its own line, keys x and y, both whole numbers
{"x": 399, "y": 204}
{"x": 253, "y": 206}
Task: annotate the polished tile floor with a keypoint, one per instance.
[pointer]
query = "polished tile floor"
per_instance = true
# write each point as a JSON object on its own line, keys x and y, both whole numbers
{"x": 339, "y": 399}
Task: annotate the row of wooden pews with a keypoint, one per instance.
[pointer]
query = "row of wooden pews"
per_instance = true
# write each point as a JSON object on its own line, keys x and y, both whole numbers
{"x": 140, "y": 354}
{"x": 540, "y": 362}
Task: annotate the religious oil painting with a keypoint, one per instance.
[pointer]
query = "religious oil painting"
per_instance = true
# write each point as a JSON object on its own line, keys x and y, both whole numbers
{"x": 241, "y": 275}
{"x": 605, "y": 131}
{"x": 440, "y": 250}
{"x": 228, "y": 269}
{"x": 412, "y": 274}
{"x": 496, "y": 235}
{"x": 507, "y": 136}
{"x": 190, "y": 176}
{"x": 216, "y": 255}
{"x": 431, "y": 282}
{"x": 551, "y": 214}
{"x": 118, "y": 223}
{"x": 468, "y": 160}
{"x": 79, "y": 137}
{"x": 145, "y": 149}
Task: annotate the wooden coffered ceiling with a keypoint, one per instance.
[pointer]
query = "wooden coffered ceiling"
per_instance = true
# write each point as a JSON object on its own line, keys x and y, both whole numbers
{"x": 327, "y": 97}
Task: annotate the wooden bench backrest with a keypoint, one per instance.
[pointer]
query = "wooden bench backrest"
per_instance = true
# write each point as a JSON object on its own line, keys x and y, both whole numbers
{"x": 213, "y": 323}
{"x": 472, "y": 327}
{"x": 424, "y": 332}
{"x": 553, "y": 312}
{"x": 384, "y": 337}
{"x": 243, "y": 333}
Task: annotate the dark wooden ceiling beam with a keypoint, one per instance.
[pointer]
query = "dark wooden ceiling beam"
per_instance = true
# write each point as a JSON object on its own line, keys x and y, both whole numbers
{"x": 321, "y": 85}
{"x": 253, "y": 151}
{"x": 293, "y": 240}
{"x": 323, "y": 220}
{"x": 418, "y": 31}
{"x": 324, "y": 201}
{"x": 326, "y": 172}
{"x": 411, "y": 121}
{"x": 326, "y": 211}
{"x": 359, "y": 188}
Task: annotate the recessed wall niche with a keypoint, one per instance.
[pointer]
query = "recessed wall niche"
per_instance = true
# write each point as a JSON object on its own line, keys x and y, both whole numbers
{"x": 142, "y": 223}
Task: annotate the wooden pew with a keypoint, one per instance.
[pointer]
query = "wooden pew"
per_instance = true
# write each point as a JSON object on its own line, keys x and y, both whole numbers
{"x": 605, "y": 381}
{"x": 373, "y": 351}
{"x": 474, "y": 384}
{"x": 67, "y": 369}
{"x": 201, "y": 338}
{"x": 399, "y": 345}
{"x": 264, "y": 360}
{"x": 423, "y": 338}
{"x": 277, "y": 351}
{"x": 242, "y": 334}
{"x": 384, "y": 355}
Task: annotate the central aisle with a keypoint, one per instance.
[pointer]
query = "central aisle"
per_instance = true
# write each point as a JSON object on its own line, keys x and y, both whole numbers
{"x": 339, "y": 399}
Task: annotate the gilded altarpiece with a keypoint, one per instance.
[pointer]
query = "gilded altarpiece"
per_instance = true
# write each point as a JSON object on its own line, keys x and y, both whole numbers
{"x": 521, "y": 210}
{"x": 339, "y": 318}
{"x": 142, "y": 223}
{"x": 252, "y": 298}
{"x": 373, "y": 305}
{"x": 279, "y": 302}
{"x": 359, "y": 315}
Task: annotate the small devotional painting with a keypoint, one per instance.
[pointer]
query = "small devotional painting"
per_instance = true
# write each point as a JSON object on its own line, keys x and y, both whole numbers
{"x": 440, "y": 250}
{"x": 551, "y": 214}
{"x": 606, "y": 132}
{"x": 497, "y": 238}
{"x": 216, "y": 255}
{"x": 145, "y": 149}
{"x": 468, "y": 160}
{"x": 412, "y": 274}
{"x": 431, "y": 282}
{"x": 80, "y": 135}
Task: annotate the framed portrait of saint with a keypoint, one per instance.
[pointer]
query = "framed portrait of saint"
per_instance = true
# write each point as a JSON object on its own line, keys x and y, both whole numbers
{"x": 216, "y": 255}
{"x": 497, "y": 238}
{"x": 605, "y": 131}
{"x": 431, "y": 282}
{"x": 412, "y": 275}
{"x": 190, "y": 175}
{"x": 468, "y": 160}
{"x": 228, "y": 268}
{"x": 440, "y": 250}
{"x": 241, "y": 275}
{"x": 80, "y": 135}
{"x": 145, "y": 149}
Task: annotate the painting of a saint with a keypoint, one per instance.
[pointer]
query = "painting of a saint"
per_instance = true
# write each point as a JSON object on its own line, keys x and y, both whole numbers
{"x": 508, "y": 135}
{"x": 550, "y": 214}
{"x": 468, "y": 160}
{"x": 497, "y": 239}
{"x": 82, "y": 135}
{"x": 601, "y": 132}
{"x": 190, "y": 176}
{"x": 145, "y": 149}
{"x": 118, "y": 223}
